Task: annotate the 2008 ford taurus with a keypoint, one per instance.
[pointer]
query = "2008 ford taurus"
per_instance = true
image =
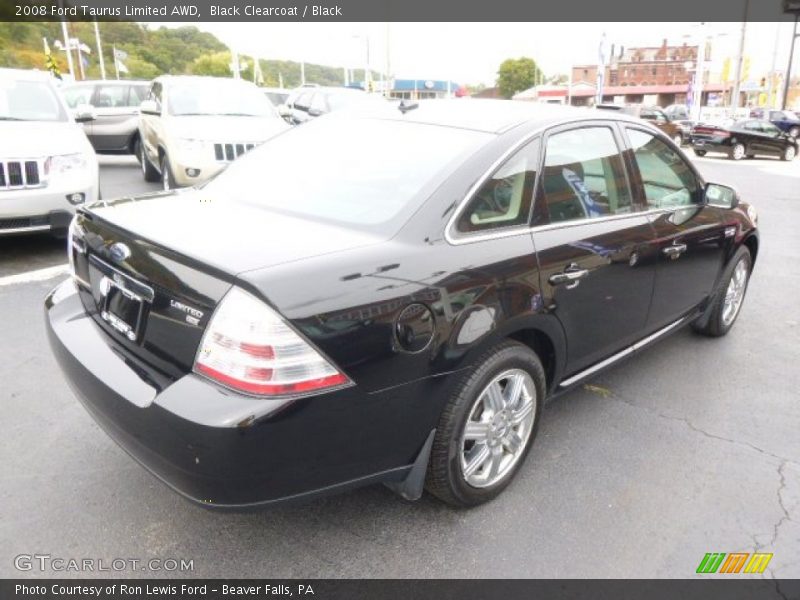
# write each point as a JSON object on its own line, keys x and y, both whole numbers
{"x": 389, "y": 297}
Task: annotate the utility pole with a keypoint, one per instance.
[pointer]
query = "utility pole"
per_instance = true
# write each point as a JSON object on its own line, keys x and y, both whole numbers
{"x": 788, "y": 78}
{"x": 99, "y": 50}
{"x": 386, "y": 91}
{"x": 737, "y": 79}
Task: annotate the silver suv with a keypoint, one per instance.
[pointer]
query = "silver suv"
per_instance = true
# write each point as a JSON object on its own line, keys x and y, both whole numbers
{"x": 192, "y": 127}
{"x": 116, "y": 106}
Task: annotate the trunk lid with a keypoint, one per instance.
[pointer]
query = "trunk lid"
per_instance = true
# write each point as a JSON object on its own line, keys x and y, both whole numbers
{"x": 153, "y": 269}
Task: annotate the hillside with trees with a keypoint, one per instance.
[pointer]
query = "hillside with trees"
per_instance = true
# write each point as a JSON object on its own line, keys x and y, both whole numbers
{"x": 151, "y": 52}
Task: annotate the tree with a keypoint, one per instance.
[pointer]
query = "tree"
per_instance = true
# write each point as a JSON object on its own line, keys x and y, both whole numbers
{"x": 217, "y": 64}
{"x": 517, "y": 74}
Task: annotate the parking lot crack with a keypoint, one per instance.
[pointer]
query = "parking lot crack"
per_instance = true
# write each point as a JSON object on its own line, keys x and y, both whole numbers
{"x": 610, "y": 395}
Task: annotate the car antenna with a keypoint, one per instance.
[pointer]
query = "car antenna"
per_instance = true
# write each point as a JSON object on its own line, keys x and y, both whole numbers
{"x": 404, "y": 108}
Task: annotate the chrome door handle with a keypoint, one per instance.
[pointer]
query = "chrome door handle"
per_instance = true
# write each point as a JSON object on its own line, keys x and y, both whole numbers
{"x": 572, "y": 276}
{"x": 675, "y": 250}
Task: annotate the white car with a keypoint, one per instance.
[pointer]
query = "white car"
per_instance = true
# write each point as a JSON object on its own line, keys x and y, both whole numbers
{"x": 47, "y": 165}
{"x": 193, "y": 127}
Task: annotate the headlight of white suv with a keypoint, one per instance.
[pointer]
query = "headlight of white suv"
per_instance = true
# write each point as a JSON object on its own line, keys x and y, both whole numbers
{"x": 191, "y": 148}
{"x": 64, "y": 163}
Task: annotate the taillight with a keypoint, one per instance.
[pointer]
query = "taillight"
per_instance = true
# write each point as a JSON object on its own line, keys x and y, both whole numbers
{"x": 248, "y": 347}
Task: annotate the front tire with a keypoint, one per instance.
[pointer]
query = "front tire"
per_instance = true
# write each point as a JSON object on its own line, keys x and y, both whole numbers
{"x": 167, "y": 180}
{"x": 730, "y": 297}
{"x": 699, "y": 152}
{"x": 150, "y": 173}
{"x": 487, "y": 427}
{"x": 789, "y": 153}
{"x": 678, "y": 140}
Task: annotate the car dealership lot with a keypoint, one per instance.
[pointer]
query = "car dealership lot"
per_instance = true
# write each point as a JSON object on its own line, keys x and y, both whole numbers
{"x": 689, "y": 448}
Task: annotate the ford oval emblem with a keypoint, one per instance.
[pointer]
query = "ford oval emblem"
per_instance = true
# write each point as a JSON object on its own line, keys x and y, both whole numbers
{"x": 119, "y": 252}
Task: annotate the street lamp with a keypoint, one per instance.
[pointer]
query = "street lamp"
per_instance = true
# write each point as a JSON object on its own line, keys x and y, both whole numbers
{"x": 791, "y": 7}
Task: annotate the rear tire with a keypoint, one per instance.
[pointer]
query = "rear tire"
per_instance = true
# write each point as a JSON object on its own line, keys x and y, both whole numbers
{"x": 491, "y": 419}
{"x": 699, "y": 152}
{"x": 789, "y": 153}
{"x": 738, "y": 151}
{"x": 728, "y": 301}
{"x": 150, "y": 173}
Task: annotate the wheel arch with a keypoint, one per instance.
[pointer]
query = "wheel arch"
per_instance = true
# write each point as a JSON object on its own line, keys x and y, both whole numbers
{"x": 542, "y": 333}
{"x": 751, "y": 242}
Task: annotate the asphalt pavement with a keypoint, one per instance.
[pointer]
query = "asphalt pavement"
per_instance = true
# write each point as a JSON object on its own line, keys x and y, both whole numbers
{"x": 690, "y": 447}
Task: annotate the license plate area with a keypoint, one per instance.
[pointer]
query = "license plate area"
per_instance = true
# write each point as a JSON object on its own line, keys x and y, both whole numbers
{"x": 122, "y": 301}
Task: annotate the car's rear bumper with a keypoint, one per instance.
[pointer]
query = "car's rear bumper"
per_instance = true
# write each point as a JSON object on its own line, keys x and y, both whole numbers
{"x": 710, "y": 145}
{"x": 221, "y": 449}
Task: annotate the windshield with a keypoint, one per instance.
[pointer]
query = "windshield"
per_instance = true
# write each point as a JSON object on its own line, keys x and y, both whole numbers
{"x": 29, "y": 101}
{"x": 218, "y": 97}
{"x": 369, "y": 174}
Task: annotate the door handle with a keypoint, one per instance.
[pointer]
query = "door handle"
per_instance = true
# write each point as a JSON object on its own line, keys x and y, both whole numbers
{"x": 571, "y": 276}
{"x": 675, "y": 250}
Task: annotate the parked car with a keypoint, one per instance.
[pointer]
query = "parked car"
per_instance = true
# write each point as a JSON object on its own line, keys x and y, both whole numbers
{"x": 275, "y": 95}
{"x": 335, "y": 311}
{"x": 115, "y": 129}
{"x": 47, "y": 166}
{"x": 740, "y": 139}
{"x": 193, "y": 127}
{"x": 680, "y": 115}
{"x": 785, "y": 120}
{"x": 654, "y": 115}
{"x": 308, "y": 102}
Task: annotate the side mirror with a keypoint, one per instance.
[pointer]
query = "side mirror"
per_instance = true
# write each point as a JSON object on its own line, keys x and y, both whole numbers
{"x": 85, "y": 113}
{"x": 149, "y": 107}
{"x": 721, "y": 195}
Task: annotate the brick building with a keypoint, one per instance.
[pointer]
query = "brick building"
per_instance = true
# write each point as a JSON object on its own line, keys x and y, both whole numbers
{"x": 650, "y": 66}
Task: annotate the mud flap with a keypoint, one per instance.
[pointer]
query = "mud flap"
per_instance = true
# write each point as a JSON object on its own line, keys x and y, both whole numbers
{"x": 412, "y": 486}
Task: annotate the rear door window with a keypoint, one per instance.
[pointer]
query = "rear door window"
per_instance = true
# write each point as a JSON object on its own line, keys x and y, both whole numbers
{"x": 583, "y": 176}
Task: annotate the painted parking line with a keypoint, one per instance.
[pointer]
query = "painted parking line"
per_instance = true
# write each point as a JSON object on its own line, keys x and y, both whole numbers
{"x": 38, "y": 275}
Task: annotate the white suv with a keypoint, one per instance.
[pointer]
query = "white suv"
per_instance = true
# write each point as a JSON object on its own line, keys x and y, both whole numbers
{"x": 193, "y": 127}
{"x": 47, "y": 166}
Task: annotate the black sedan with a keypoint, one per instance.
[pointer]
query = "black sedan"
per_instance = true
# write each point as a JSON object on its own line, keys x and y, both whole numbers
{"x": 740, "y": 139}
{"x": 389, "y": 297}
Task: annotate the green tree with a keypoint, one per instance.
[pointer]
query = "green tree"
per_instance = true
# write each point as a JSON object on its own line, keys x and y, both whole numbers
{"x": 217, "y": 64}
{"x": 517, "y": 74}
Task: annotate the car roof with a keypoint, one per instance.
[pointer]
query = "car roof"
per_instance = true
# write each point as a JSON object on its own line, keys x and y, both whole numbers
{"x": 107, "y": 82}
{"x": 488, "y": 115}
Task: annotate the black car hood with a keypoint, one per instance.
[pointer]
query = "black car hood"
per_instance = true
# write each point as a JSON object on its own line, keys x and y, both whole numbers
{"x": 227, "y": 235}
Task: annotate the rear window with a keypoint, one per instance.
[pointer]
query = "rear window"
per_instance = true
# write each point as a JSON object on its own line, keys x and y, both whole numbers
{"x": 369, "y": 174}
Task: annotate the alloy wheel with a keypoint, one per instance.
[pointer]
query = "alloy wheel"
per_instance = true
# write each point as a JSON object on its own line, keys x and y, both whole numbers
{"x": 789, "y": 153}
{"x": 498, "y": 428}
{"x": 735, "y": 293}
{"x": 738, "y": 152}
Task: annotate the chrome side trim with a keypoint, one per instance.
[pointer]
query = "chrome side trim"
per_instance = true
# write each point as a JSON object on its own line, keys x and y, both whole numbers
{"x": 597, "y": 366}
{"x": 25, "y": 229}
{"x": 654, "y": 336}
{"x": 621, "y": 354}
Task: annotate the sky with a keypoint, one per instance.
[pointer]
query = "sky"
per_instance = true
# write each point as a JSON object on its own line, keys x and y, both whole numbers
{"x": 469, "y": 53}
